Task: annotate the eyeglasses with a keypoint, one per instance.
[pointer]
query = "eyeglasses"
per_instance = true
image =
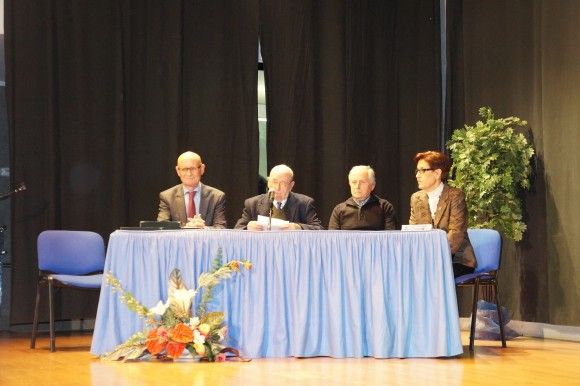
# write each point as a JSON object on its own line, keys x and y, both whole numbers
{"x": 281, "y": 182}
{"x": 358, "y": 182}
{"x": 422, "y": 171}
{"x": 189, "y": 170}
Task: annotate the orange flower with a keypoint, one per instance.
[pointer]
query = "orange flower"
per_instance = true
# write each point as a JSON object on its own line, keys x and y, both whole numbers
{"x": 174, "y": 349}
{"x": 182, "y": 333}
{"x": 235, "y": 265}
{"x": 247, "y": 265}
{"x": 156, "y": 341}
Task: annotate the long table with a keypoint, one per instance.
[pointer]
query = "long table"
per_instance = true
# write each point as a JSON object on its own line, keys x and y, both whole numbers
{"x": 310, "y": 293}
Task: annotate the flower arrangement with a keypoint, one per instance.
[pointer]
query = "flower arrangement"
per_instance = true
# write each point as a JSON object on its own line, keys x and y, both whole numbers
{"x": 172, "y": 327}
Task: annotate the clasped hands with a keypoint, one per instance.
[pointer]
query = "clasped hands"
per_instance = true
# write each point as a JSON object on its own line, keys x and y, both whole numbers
{"x": 195, "y": 222}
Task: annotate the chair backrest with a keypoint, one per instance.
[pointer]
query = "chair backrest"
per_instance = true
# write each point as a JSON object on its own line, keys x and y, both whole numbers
{"x": 487, "y": 247}
{"x": 70, "y": 252}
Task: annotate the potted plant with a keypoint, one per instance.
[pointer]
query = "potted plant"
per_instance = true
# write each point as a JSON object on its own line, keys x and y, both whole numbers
{"x": 491, "y": 164}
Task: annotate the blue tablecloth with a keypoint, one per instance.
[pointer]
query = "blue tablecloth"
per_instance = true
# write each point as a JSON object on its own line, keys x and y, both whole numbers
{"x": 310, "y": 293}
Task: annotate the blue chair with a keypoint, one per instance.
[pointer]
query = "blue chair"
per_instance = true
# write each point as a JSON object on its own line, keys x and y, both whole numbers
{"x": 73, "y": 259}
{"x": 487, "y": 247}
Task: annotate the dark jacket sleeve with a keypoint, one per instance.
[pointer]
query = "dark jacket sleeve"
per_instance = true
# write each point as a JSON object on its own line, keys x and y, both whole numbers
{"x": 219, "y": 213}
{"x": 457, "y": 227}
{"x": 390, "y": 216}
{"x": 312, "y": 222}
{"x": 334, "y": 222}
{"x": 248, "y": 214}
{"x": 164, "y": 213}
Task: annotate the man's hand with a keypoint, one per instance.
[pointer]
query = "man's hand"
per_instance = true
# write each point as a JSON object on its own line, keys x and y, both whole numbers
{"x": 255, "y": 226}
{"x": 195, "y": 222}
{"x": 291, "y": 226}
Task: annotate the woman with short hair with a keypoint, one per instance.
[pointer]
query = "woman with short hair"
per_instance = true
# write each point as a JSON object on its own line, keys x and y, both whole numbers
{"x": 442, "y": 206}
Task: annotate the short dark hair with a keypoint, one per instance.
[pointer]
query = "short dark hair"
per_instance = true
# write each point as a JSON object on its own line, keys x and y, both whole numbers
{"x": 436, "y": 160}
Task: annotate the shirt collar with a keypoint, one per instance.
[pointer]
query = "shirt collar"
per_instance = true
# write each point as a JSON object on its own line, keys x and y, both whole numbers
{"x": 283, "y": 202}
{"x": 361, "y": 203}
{"x": 437, "y": 192}
{"x": 196, "y": 189}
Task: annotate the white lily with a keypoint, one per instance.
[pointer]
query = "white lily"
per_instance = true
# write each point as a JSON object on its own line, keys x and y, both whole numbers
{"x": 180, "y": 301}
{"x": 159, "y": 308}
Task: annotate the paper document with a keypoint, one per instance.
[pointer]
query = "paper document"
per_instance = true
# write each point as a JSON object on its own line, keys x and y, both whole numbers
{"x": 276, "y": 222}
{"x": 417, "y": 227}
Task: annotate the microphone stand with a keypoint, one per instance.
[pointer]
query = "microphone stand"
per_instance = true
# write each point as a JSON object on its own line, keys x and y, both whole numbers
{"x": 2, "y": 230}
{"x": 271, "y": 205}
{"x": 20, "y": 187}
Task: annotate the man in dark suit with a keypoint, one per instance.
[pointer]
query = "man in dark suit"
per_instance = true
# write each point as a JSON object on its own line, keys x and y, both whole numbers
{"x": 442, "y": 206}
{"x": 192, "y": 203}
{"x": 297, "y": 209}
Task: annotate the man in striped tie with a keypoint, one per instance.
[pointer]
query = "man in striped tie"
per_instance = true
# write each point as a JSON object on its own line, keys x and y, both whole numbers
{"x": 298, "y": 209}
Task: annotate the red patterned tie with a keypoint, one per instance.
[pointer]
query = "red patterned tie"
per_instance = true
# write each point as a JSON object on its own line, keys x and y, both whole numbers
{"x": 191, "y": 208}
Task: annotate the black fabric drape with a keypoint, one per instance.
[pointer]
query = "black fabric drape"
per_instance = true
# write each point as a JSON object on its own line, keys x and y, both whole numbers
{"x": 103, "y": 96}
{"x": 351, "y": 83}
{"x": 491, "y": 59}
{"x": 521, "y": 58}
{"x": 65, "y": 115}
{"x": 191, "y": 80}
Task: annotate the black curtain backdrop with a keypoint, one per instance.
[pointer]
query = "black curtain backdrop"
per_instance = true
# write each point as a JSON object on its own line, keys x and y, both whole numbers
{"x": 103, "y": 96}
{"x": 348, "y": 83}
{"x": 521, "y": 58}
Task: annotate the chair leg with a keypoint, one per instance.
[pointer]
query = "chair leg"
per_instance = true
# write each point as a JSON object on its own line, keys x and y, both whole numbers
{"x": 35, "y": 320}
{"x": 51, "y": 312}
{"x": 473, "y": 314}
{"x": 499, "y": 315}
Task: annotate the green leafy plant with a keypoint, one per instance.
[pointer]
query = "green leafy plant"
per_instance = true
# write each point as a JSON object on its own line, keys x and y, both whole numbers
{"x": 491, "y": 164}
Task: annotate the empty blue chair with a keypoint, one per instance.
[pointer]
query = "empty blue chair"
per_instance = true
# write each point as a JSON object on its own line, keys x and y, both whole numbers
{"x": 487, "y": 247}
{"x": 73, "y": 259}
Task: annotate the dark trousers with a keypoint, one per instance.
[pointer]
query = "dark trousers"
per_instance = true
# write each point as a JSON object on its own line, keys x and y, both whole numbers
{"x": 460, "y": 269}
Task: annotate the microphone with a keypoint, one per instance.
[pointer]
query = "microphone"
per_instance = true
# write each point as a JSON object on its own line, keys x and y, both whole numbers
{"x": 271, "y": 194}
{"x": 19, "y": 188}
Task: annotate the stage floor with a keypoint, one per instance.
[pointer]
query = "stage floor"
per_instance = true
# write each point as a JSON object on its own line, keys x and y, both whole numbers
{"x": 524, "y": 361}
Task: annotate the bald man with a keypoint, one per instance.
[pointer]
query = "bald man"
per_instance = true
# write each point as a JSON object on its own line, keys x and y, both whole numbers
{"x": 297, "y": 209}
{"x": 192, "y": 203}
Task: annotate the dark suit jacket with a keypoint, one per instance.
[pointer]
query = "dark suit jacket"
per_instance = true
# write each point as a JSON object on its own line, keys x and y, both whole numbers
{"x": 212, "y": 206}
{"x": 300, "y": 209}
{"x": 451, "y": 216}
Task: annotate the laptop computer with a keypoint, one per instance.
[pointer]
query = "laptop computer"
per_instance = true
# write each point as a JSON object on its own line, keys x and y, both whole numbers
{"x": 153, "y": 226}
{"x": 160, "y": 224}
